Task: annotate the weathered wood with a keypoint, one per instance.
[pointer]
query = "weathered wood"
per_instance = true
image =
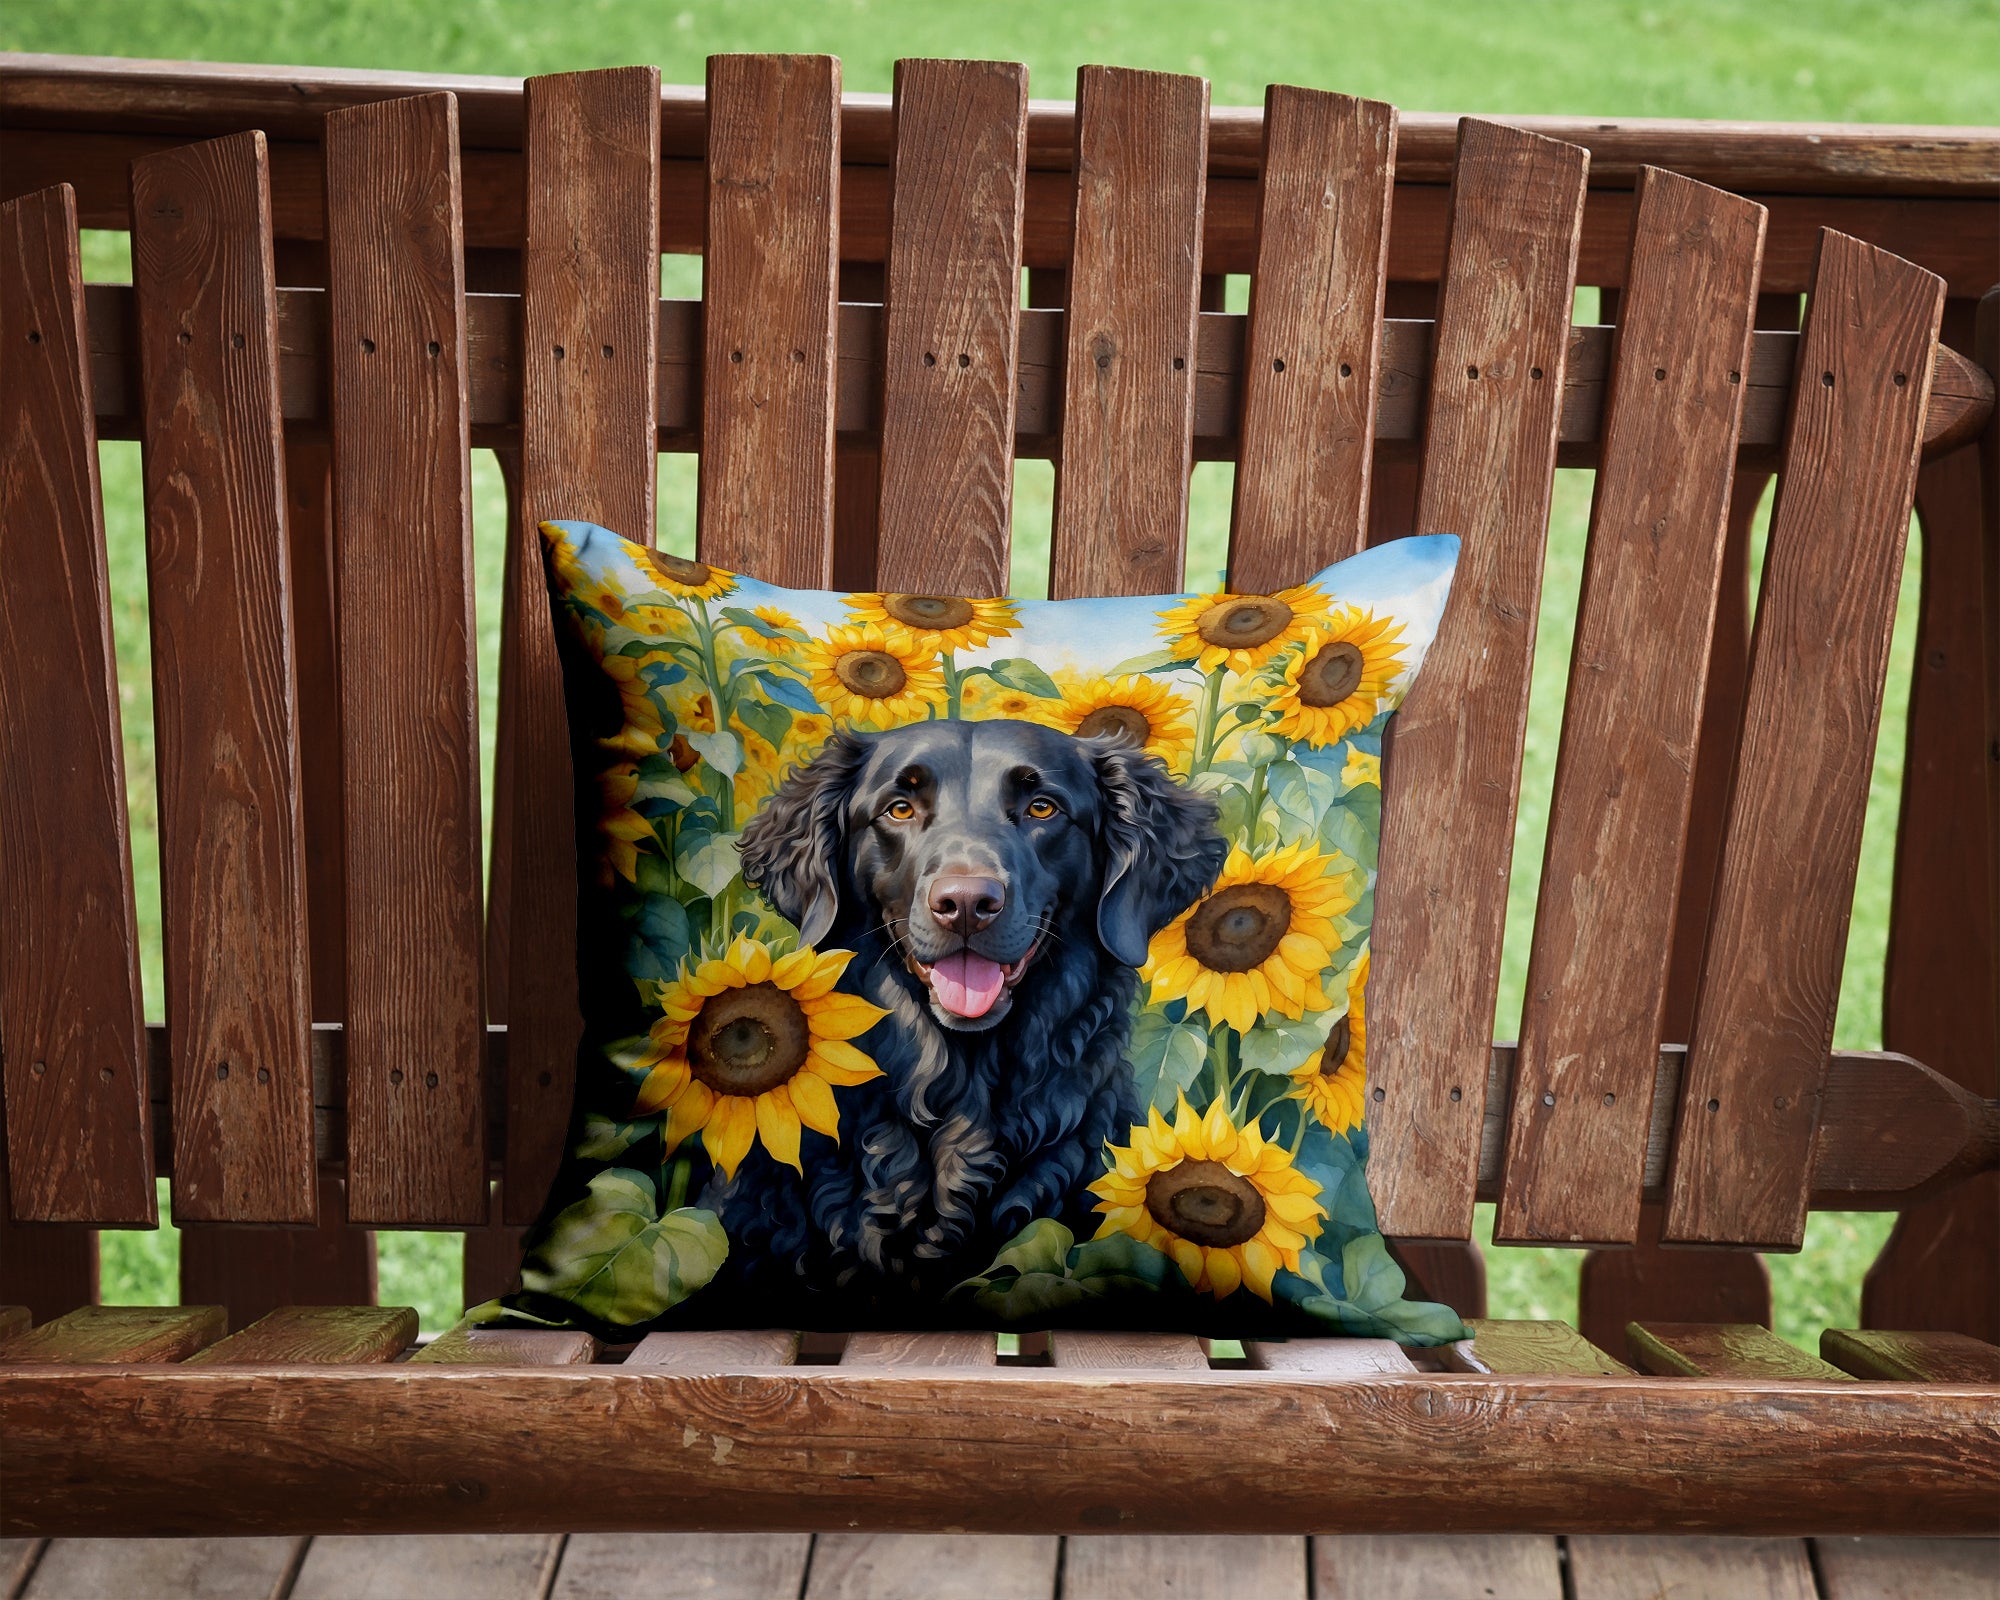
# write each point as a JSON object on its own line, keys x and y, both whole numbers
{"x": 1643, "y": 1567}
{"x": 716, "y": 1566}
{"x": 1345, "y": 1358}
{"x": 1937, "y": 1268}
{"x": 1367, "y": 1566}
{"x": 18, "y": 1558}
{"x": 1597, "y": 970}
{"x": 490, "y": 1566}
{"x": 919, "y": 1350}
{"x": 919, "y": 1566}
{"x": 47, "y": 1267}
{"x": 951, "y": 325}
{"x": 1453, "y": 1271}
{"x": 186, "y": 1569}
{"x": 13, "y": 1320}
{"x": 409, "y": 707}
{"x": 1313, "y": 344}
{"x": 316, "y": 1334}
{"x": 1129, "y": 334}
{"x": 1647, "y": 1282}
{"x": 491, "y": 1263}
{"x": 1138, "y": 1352}
{"x": 1507, "y": 1347}
{"x": 769, "y": 281}
{"x": 719, "y": 1351}
{"x": 468, "y": 1346}
{"x": 1489, "y": 465}
{"x": 1721, "y": 1350}
{"x": 1916, "y": 1357}
{"x": 78, "y": 1145}
{"x": 1907, "y": 1569}
{"x": 232, "y": 867}
{"x": 119, "y": 1335}
{"x": 1764, "y": 1017}
{"x": 254, "y": 1271}
{"x": 1269, "y": 1566}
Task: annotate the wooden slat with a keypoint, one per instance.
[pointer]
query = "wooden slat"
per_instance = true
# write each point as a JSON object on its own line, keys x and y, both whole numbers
{"x": 13, "y": 1320}
{"x": 1141, "y": 1352}
{"x": 1366, "y": 1566}
{"x": 78, "y": 1145}
{"x": 1648, "y": 1281}
{"x": 490, "y": 1264}
{"x": 919, "y": 1566}
{"x": 1489, "y": 464}
{"x": 1346, "y": 1358}
{"x": 590, "y": 333}
{"x": 1721, "y": 1350}
{"x": 1129, "y": 336}
{"x": 185, "y": 1569}
{"x": 492, "y": 1566}
{"x": 467, "y": 1346}
{"x": 951, "y": 323}
{"x": 1507, "y": 1347}
{"x": 718, "y": 1351}
{"x": 1597, "y": 971}
{"x": 1916, "y": 1357}
{"x": 232, "y": 867}
{"x": 1314, "y": 338}
{"x": 317, "y": 1334}
{"x": 254, "y": 1271}
{"x": 47, "y": 1267}
{"x": 769, "y": 281}
{"x": 1764, "y": 1019}
{"x": 716, "y": 1566}
{"x": 118, "y": 1334}
{"x": 1645, "y": 1566}
{"x": 1270, "y": 1566}
{"x": 920, "y": 1350}
{"x": 1908, "y": 1569}
{"x": 409, "y": 705}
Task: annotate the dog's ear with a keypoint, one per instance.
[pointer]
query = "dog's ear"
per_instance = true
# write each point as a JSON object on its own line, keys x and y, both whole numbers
{"x": 791, "y": 850}
{"x": 1161, "y": 845}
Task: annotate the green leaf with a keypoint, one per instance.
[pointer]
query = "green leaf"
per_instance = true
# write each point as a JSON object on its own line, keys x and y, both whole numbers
{"x": 1032, "y": 1297}
{"x": 606, "y": 1140}
{"x": 1119, "y": 1261}
{"x": 1166, "y": 1057}
{"x": 1018, "y": 672}
{"x": 613, "y": 1258}
{"x": 722, "y": 751}
{"x": 1151, "y": 661}
{"x": 1280, "y": 1046}
{"x": 1371, "y": 1278}
{"x": 1042, "y": 1246}
{"x": 708, "y": 861}
{"x": 657, "y": 937}
{"x": 770, "y": 722}
{"x": 789, "y": 692}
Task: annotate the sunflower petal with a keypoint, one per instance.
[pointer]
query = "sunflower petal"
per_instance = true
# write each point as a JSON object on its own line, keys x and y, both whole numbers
{"x": 729, "y": 1133}
{"x": 812, "y": 1098}
{"x": 839, "y": 1062}
{"x": 778, "y": 1126}
{"x": 662, "y": 1084}
{"x": 1225, "y": 1272}
{"x": 842, "y": 1016}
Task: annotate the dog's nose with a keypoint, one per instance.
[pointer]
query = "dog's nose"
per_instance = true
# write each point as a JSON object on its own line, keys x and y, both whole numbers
{"x": 965, "y": 904}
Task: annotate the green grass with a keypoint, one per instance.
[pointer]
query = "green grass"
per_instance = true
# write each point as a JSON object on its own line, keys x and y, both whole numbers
{"x": 1859, "y": 60}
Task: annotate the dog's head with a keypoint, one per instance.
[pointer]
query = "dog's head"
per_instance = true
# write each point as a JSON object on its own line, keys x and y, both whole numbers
{"x": 971, "y": 845}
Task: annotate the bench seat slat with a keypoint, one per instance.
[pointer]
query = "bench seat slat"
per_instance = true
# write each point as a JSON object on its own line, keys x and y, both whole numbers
{"x": 319, "y": 1335}
{"x": 720, "y": 1351}
{"x": 1914, "y": 1357}
{"x": 1721, "y": 1350}
{"x": 920, "y": 1350}
{"x": 1141, "y": 1352}
{"x": 469, "y": 1346}
{"x": 117, "y": 1335}
{"x": 1506, "y": 1347}
{"x": 1351, "y": 1358}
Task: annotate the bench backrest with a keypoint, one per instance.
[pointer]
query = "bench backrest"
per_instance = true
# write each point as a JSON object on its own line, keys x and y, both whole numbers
{"x": 335, "y": 956}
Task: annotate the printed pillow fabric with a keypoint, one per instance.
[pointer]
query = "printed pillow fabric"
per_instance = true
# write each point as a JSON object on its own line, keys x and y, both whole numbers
{"x": 952, "y": 963}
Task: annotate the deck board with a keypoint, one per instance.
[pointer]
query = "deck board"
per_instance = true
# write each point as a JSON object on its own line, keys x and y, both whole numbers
{"x": 1504, "y": 1566}
{"x": 715, "y": 1566}
{"x": 164, "y": 1569}
{"x": 1185, "y": 1566}
{"x": 1908, "y": 1569}
{"x": 1649, "y": 1567}
{"x": 444, "y": 1566}
{"x": 932, "y": 1566}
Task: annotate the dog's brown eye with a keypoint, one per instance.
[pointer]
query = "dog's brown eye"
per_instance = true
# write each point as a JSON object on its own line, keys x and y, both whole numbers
{"x": 1041, "y": 807}
{"x": 901, "y": 810}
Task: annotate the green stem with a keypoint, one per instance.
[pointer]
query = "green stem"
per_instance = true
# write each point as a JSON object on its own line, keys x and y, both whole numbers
{"x": 1211, "y": 711}
{"x": 1218, "y": 1060}
{"x": 954, "y": 683}
{"x": 1299, "y": 1137}
{"x": 725, "y": 708}
{"x": 677, "y": 1184}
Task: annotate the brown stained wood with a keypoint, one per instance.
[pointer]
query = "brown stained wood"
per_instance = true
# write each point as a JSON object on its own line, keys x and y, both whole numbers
{"x": 185, "y": 1569}
{"x": 1647, "y": 1282}
{"x": 47, "y": 1267}
{"x": 13, "y": 1320}
{"x": 1506, "y": 1347}
{"x": 1915, "y": 1357}
{"x": 77, "y": 1131}
{"x": 719, "y": 1351}
{"x": 253, "y": 1271}
{"x": 232, "y": 866}
{"x": 1907, "y": 1569}
{"x": 1139, "y": 1352}
{"x": 409, "y": 706}
{"x": 1987, "y": 343}
{"x": 769, "y": 282}
{"x": 1937, "y": 1268}
{"x": 1129, "y": 334}
{"x": 1344, "y": 1358}
{"x": 947, "y": 1566}
{"x": 589, "y": 342}
{"x": 316, "y": 667}
{"x": 95, "y": 1335}
{"x": 1764, "y": 1016}
{"x": 1314, "y": 337}
{"x": 919, "y": 1350}
{"x": 951, "y": 324}
{"x": 1646, "y": 1567}
{"x": 1721, "y": 1350}
{"x": 490, "y": 1264}
{"x": 1453, "y": 1271}
{"x": 490, "y": 1566}
{"x": 1132, "y": 1566}
{"x": 1598, "y": 967}
{"x": 1366, "y": 1566}
{"x": 321, "y": 1335}
{"x": 1489, "y": 466}
{"x": 467, "y": 1346}
{"x": 715, "y": 1566}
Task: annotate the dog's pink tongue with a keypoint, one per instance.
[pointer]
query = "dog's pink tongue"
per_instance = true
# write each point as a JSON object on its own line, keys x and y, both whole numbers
{"x": 967, "y": 984}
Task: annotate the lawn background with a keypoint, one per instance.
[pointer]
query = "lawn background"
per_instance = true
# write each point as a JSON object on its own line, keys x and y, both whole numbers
{"x": 1837, "y": 60}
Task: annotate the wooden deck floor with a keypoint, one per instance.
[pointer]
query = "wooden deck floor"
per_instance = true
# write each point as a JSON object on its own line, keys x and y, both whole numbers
{"x": 857, "y": 1566}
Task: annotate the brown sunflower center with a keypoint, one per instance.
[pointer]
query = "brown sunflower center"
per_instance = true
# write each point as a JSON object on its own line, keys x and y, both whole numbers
{"x": 748, "y": 1040}
{"x": 682, "y": 570}
{"x": 1247, "y": 620}
{"x": 1205, "y": 1202}
{"x": 872, "y": 674}
{"x": 932, "y": 611}
{"x": 1334, "y": 1057}
{"x": 1121, "y": 722}
{"x": 1332, "y": 675}
{"x": 1237, "y": 928}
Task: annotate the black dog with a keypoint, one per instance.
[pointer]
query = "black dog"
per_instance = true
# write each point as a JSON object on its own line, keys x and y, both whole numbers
{"x": 998, "y": 882}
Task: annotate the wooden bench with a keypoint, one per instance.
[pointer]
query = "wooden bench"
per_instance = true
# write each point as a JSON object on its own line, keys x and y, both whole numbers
{"x": 341, "y": 283}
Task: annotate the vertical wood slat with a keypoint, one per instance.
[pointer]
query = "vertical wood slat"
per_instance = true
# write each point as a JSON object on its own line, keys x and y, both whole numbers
{"x": 254, "y": 1271}
{"x": 79, "y": 1137}
{"x": 770, "y": 277}
{"x": 952, "y": 317}
{"x": 409, "y": 702}
{"x": 48, "y": 1267}
{"x": 1771, "y": 978}
{"x": 232, "y": 865}
{"x": 1597, "y": 971}
{"x": 589, "y": 340}
{"x": 1129, "y": 336}
{"x": 1314, "y": 337}
{"x": 1455, "y": 763}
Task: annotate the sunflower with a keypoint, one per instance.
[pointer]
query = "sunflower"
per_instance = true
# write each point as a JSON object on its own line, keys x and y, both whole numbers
{"x": 1141, "y": 711}
{"x": 983, "y": 698}
{"x": 1361, "y": 768}
{"x": 1240, "y": 631}
{"x": 936, "y": 622}
{"x": 623, "y": 828}
{"x": 640, "y": 733}
{"x": 867, "y": 673}
{"x": 774, "y": 620}
{"x": 1336, "y": 679}
{"x": 577, "y": 582}
{"x": 691, "y": 580}
{"x": 751, "y": 1047}
{"x": 1260, "y": 939}
{"x": 1333, "y": 1077}
{"x": 1227, "y": 1207}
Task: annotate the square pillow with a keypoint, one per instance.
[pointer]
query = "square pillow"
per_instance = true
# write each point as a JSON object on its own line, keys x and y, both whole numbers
{"x": 953, "y": 963}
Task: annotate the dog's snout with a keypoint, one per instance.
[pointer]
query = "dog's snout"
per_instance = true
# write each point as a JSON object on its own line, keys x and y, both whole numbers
{"x": 966, "y": 904}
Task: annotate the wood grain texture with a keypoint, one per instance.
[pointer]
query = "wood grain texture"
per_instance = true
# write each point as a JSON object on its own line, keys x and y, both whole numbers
{"x": 225, "y": 718}
{"x": 14, "y": 1320}
{"x": 724, "y": 1350}
{"x": 491, "y": 1263}
{"x": 1136, "y": 1352}
{"x": 1645, "y": 1567}
{"x": 1489, "y": 464}
{"x": 1648, "y": 1282}
{"x": 318, "y": 1335}
{"x": 1508, "y": 1347}
{"x": 951, "y": 324}
{"x": 919, "y": 1350}
{"x": 1908, "y": 1569}
{"x": 409, "y": 703}
{"x": 1365, "y": 1566}
{"x": 183, "y": 1569}
{"x": 715, "y": 1566}
{"x": 1917, "y": 1357}
{"x": 18, "y": 1558}
{"x": 1129, "y": 335}
{"x": 933, "y": 1566}
{"x": 1721, "y": 1350}
{"x": 467, "y": 1346}
{"x": 589, "y": 342}
{"x": 1314, "y": 338}
{"x": 490, "y": 1566}
{"x": 1771, "y": 978}
{"x": 1345, "y": 1358}
{"x": 48, "y": 1267}
{"x": 78, "y": 1136}
{"x": 95, "y": 1335}
{"x": 1597, "y": 969}
{"x": 1935, "y": 1270}
{"x": 253, "y": 1271}
{"x": 1139, "y": 1566}
{"x": 769, "y": 280}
